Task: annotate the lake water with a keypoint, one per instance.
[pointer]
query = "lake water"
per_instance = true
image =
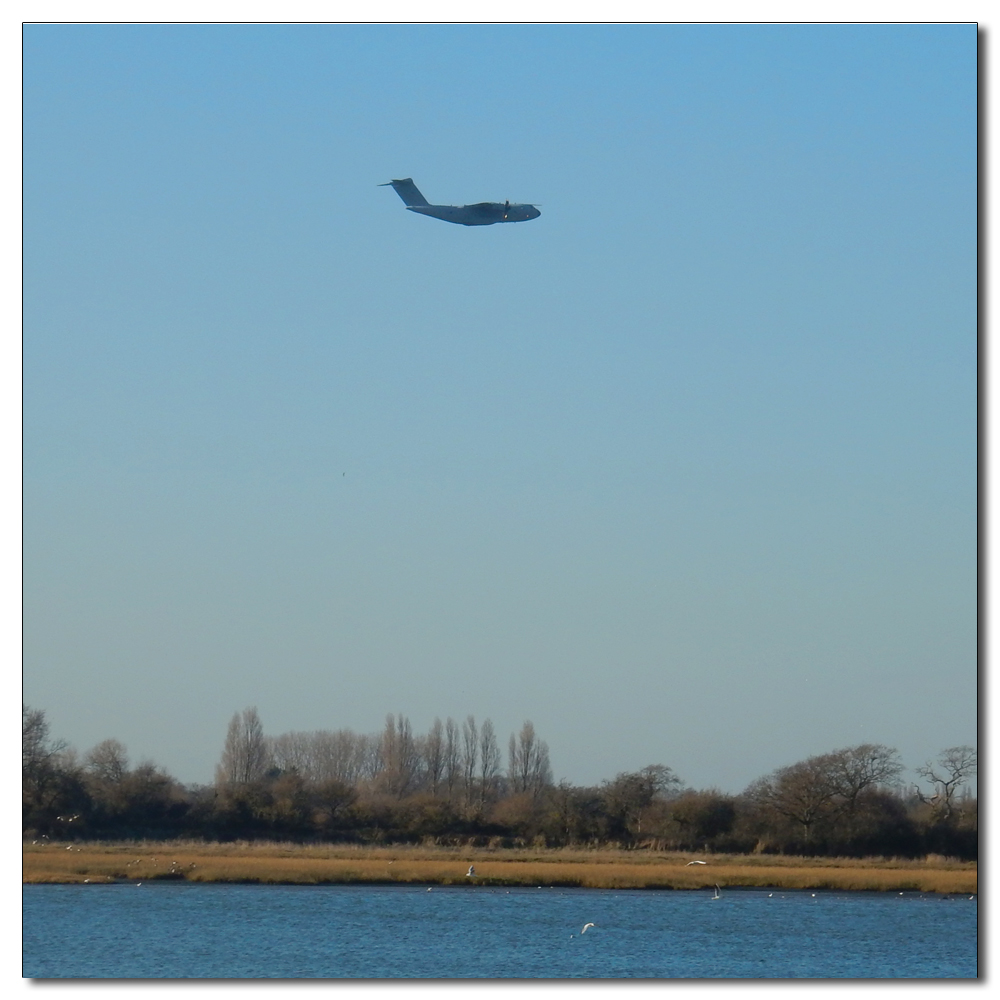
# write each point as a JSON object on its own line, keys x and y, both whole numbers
{"x": 171, "y": 931}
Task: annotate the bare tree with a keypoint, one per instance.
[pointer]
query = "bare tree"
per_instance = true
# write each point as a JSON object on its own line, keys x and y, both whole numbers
{"x": 345, "y": 756}
{"x": 291, "y": 753}
{"x": 517, "y": 758}
{"x": 322, "y": 755}
{"x": 630, "y": 795}
{"x": 399, "y": 756}
{"x": 470, "y": 753}
{"x": 434, "y": 755}
{"x": 452, "y": 756}
{"x": 37, "y": 750}
{"x": 541, "y": 768}
{"x": 803, "y": 792}
{"x": 369, "y": 757}
{"x": 389, "y": 754}
{"x": 244, "y": 756}
{"x": 108, "y": 761}
{"x": 489, "y": 763}
{"x": 41, "y": 758}
{"x": 853, "y": 770}
{"x": 528, "y": 764}
{"x": 947, "y": 775}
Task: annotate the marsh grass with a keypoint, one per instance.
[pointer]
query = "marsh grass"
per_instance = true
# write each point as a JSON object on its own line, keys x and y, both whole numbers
{"x": 292, "y": 864}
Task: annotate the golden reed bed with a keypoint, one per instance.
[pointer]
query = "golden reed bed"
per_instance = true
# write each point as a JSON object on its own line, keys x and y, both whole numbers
{"x": 290, "y": 864}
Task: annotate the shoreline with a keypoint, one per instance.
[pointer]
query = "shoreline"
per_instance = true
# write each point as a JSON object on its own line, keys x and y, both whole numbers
{"x": 337, "y": 864}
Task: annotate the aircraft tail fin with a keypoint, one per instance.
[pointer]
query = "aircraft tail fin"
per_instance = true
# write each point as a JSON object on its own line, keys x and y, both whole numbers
{"x": 407, "y": 190}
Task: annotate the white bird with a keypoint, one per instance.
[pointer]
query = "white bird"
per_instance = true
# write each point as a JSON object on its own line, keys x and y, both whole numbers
{"x": 717, "y": 895}
{"x": 585, "y": 926}
{"x": 471, "y": 873}
{"x": 696, "y": 863}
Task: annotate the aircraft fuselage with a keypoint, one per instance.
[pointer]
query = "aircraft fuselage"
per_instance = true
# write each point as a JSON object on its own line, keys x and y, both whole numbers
{"x": 486, "y": 213}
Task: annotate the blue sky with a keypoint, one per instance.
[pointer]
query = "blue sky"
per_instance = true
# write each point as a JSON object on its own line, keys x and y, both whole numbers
{"x": 683, "y": 471}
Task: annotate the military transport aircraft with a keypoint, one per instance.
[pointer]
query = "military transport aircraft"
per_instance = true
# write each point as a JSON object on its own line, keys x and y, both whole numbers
{"x": 483, "y": 214}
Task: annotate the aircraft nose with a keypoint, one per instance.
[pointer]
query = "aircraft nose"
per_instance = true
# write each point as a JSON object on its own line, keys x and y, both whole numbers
{"x": 533, "y": 212}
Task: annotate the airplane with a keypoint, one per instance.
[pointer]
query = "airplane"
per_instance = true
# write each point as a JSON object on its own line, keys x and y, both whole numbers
{"x": 485, "y": 213}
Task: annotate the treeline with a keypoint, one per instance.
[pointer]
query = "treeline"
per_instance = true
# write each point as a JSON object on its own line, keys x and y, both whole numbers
{"x": 455, "y": 785}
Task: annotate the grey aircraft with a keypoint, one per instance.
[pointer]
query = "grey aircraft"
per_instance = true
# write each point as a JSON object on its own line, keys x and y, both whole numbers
{"x": 483, "y": 214}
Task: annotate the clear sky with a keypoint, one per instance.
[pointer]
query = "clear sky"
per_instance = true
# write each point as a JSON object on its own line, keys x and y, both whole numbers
{"x": 684, "y": 470}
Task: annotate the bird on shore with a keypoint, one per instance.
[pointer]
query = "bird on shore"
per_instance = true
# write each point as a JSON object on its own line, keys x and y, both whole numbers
{"x": 696, "y": 863}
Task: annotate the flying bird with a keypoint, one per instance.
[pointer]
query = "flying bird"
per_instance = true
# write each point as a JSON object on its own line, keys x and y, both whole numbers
{"x": 484, "y": 213}
{"x": 717, "y": 895}
{"x": 471, "y": 873}
{"x": 696, "y": 863}
{"x": 585, "y": 926}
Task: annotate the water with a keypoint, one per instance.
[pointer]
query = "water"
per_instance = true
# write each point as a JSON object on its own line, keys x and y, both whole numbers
{"x": 295, "y": 932}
